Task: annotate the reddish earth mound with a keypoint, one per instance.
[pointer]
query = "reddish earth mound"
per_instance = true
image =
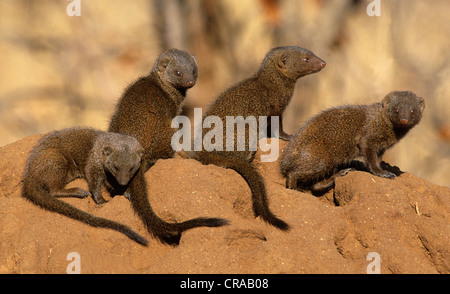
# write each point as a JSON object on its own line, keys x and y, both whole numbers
{"x": 406, "y": 221}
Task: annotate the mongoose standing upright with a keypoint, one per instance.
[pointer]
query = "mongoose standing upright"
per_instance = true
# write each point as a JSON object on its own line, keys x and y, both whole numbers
{"x": 63, "y": 156}
{"x": 326, "y": 145}
{"x": 266, "y": 93}
{"x": 145, "y": 111}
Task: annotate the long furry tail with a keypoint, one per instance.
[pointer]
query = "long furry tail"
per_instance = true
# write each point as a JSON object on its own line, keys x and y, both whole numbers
{"x": 167, "y": 233}
{"x": 41, "y": 196}
{"x": 254, "y": 180}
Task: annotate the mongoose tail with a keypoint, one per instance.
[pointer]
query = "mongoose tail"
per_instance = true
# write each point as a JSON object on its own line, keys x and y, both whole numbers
{"x": 254, "y": 180}
{"x": 167, "y": 233}
{"x": 40, "y": 195}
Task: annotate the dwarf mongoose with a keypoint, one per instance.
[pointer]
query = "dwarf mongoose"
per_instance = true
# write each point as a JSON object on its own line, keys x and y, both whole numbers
{"x": 145, "y": 111}
{"x": 63, "y": 156}
{"x": 323, "y": 148}
{"x": 266, "y": 93}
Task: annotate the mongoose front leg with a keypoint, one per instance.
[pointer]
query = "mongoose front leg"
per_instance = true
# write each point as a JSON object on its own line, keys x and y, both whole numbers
{"x": 96, "y": 190}
{"x": 283, "y": 135}
{"x": 127, "y": 194}
{"x": 279, "y": 132}
{"x": 373, "y": 163}
{"x": 95, "y": 179}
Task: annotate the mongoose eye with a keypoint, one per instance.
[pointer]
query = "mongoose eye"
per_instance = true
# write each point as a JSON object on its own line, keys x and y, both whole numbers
{"x": 305, "y": 59}
{"x": 115, "y": 168}
{"x": 178, "y": 73}
{"x": 396, "y": 111}
{"x": 412, "y": 111}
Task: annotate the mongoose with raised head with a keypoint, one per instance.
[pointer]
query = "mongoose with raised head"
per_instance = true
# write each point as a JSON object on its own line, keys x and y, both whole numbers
{"x": 266, "y": 93}
{"x": 63, "y": 156}
{"x": 145, "y": 111}
{"x": 325, "y": 146}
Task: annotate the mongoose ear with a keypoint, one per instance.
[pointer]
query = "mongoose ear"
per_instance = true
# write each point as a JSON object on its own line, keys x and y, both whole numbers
{"x": 386, "y": 101}
{"x": 140, "y": 153}
{"x": 163, "y": 63}
{"x": 421, "y": 103}
{"x": 107, "y": 150}
{"x": 195, "y": 60}
{"x": 282, "y": 60}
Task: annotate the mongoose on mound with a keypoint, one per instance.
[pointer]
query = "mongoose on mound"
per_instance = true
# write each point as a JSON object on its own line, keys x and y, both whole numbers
{"x": 326, "y": 145}
{"x": 63, "y": 156}
{"x": 266, "y": 93}
{"x": 145, "y": 111}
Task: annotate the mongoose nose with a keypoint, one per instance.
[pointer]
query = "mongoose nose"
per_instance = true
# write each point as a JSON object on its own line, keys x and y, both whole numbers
{"x": 323, "y": 64}
{"x": 122, "y": 179}
{"x": 123, "y": 182}
{"x": 403, "y": 121}
{"x": 190, "y": 84}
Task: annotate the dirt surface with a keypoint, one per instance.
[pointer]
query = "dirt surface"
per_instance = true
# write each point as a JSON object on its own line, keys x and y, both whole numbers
{"x": 405, "y": 220}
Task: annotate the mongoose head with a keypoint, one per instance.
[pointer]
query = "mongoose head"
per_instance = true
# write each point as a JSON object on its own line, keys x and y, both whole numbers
{"x": 122, "y": 157}
{"x": 404, "y": 109}
{"x": 293, "y": 62}
{"x": 177, "y": 68}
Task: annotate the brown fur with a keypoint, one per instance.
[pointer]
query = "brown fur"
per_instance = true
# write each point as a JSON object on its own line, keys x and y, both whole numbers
{"x": 99, "y": 157}
{"x": 327, "y": 144}
{"x": 145, "y": 111}
{"x": 266, "y": 93}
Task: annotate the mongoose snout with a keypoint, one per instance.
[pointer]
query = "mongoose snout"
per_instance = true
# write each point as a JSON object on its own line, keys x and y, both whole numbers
{"x": 317, "y": 64}
{"x": 190, "y": 83}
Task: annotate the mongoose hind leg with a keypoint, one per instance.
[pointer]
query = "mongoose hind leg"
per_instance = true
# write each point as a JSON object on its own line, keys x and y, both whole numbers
{"x": 71, "y": 193}
{"x": 327, "y": 184}
{"x": 291, "y": 182}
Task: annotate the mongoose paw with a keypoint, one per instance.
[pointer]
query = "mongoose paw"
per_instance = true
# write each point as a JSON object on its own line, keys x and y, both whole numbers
{"x": 99, "y": 200}
{"x": 127, "y": 195}
{"x": 82, "y": 194}
{"x": 387, "y": 174}
{"x": 286, "y": 137}
{"x": 344, "y": 172}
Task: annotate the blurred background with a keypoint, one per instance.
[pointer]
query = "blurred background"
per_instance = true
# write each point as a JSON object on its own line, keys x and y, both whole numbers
{"x": 58, "y": 71}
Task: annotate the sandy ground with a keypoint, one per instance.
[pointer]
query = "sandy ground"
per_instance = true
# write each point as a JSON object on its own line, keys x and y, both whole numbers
{"x": 405, "y": 221}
